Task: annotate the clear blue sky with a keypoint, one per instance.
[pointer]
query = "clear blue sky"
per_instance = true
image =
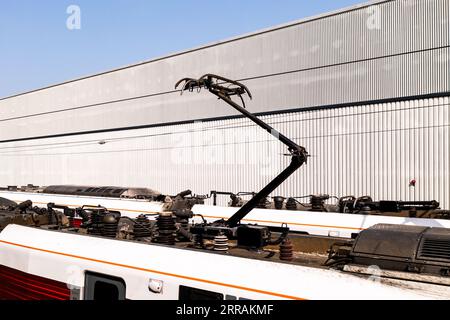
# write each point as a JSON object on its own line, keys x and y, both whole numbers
{"x": 37, "y": 49}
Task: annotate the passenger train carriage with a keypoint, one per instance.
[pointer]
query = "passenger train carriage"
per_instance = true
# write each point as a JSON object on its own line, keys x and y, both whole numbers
{"x": 45, "y": 264}
{"x": 301, "y": 219}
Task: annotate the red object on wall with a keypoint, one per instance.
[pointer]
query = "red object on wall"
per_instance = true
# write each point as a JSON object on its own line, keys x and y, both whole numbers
{"x": 17, "y": 285}
{"x": 413, "y": 183}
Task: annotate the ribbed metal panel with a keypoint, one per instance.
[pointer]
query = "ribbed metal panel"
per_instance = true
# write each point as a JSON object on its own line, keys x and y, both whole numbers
{"x": 361, "y": 150}
{"x": 328, "y": 60}
{"x": 356, "y": 150}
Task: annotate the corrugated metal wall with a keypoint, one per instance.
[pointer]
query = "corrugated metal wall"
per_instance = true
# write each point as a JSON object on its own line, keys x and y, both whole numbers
{"x": 357, "y": 150}
{"x": 364, "y": 150}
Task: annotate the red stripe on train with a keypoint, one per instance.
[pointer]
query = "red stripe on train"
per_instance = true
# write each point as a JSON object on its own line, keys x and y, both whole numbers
{"x": 17, "y": 285}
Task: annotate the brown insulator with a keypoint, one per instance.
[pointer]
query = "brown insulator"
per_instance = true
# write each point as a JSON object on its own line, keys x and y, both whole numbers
{"x": 279, "y": 202}
{"x": 110, "y": 226}
{"x": 96, "y": 224}
{"x": 142, "y": 228}
{"x": 221, "y": 243}
{"x": 286, "y": 250}
{"x": 291, "y": 204}
{"x": 166, "y": 228}
{"x": 318, "y": 203}
{"x": 263, "y": 204}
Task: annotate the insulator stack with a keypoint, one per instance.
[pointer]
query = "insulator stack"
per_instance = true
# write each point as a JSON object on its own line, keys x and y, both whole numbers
{"x": 279, "y": 202}
{"x": 318, "y": 203}
{"x": 221, "y": 243}
{"x": 96, "y": 228}
{"x": 291, "y": 204}
{"x": 286, "y": 250}
{"x": 166, "y": 229}
{"x": 263, "y": 204}
{"x": 142, "y": 228}
{"x": 110, "y": 226}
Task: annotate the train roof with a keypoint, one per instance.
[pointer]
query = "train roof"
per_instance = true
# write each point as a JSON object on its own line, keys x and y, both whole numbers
{"x": 102, "y": 191}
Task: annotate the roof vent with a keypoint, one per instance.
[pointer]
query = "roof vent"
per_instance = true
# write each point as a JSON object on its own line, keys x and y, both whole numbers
{"x": 435, "y": 249}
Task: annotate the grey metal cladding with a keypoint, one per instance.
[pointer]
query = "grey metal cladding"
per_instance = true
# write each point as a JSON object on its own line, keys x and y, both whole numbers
{"x": 374, "y": 150}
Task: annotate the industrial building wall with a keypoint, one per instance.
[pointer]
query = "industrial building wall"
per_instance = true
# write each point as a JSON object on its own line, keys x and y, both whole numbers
{"x": 342, "y": 58}
{"x": 356, "y": 150}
